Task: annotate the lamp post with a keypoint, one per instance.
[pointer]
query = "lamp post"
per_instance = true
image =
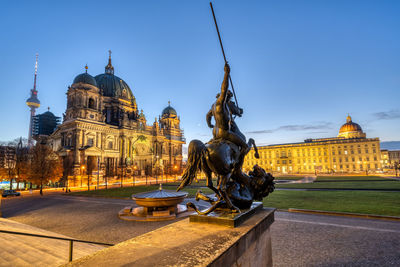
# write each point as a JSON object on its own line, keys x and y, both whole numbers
{"x": 157, "y": 164}
{"x": 133, "y": 175}
{"x": 82, "y": 172}
{"x": 176, "y": 172}
{"x": 98, "y": 171}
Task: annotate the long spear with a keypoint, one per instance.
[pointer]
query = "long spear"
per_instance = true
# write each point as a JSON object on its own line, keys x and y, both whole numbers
{"x": 223, "y": 52}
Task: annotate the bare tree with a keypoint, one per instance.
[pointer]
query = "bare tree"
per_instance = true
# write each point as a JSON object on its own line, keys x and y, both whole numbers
{"x": 45, "y": 165}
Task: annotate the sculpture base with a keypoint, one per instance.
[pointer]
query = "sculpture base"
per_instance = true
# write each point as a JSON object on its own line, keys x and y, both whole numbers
{"x": 225, "y": 217}
{"x": 193, "y": 244}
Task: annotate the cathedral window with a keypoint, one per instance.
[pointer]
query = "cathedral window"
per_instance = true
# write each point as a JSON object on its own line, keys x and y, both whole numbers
{"x": 110, "y": 145}
{"x": 91, "y": 103}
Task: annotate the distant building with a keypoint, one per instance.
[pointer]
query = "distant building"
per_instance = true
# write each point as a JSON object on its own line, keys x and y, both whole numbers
{"x": 350, "y": 152}
{"x": 7, "y": 157}
{"x": 385, "y": 159}
{"x": 394, "y": 157}
{"x": 45, "y": 123}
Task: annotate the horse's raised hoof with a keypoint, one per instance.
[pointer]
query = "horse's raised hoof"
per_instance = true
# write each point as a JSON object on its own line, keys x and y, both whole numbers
{"x": 256, "y": 155}
{"x": 198, "y": 194}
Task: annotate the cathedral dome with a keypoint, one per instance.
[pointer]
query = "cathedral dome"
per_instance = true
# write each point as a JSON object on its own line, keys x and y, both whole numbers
{"x": 85, "y": 78}
{"x": 113, "y": 86}
{"x": 169, "y": 111}
{"x": 350, "y": 129}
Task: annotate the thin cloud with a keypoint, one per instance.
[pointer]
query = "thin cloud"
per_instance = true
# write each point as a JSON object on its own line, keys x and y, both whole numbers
{"x": 295, "y": 128}
{"x": 387, "y": 115}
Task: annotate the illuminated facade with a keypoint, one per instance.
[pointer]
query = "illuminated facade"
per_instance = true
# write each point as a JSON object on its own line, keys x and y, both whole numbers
{"x": 350, "y": 152}
{"x": 103, "y": 129}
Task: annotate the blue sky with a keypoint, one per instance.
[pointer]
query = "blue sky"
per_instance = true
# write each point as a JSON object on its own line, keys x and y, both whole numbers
{"x": 298, "y": 67}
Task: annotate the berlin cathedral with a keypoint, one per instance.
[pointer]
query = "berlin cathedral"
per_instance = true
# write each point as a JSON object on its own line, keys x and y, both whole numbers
{"x": 103, "y": 130}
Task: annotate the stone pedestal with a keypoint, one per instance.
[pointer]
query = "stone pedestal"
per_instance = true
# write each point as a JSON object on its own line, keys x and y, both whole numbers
{"x": 193, "y": 244}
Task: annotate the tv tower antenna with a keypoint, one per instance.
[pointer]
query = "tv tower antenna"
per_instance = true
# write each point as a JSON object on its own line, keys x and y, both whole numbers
{"x": 33, "y": 102}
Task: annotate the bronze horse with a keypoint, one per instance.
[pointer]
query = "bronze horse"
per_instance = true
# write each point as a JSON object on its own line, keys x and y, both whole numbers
{"x": 220, "y": 157}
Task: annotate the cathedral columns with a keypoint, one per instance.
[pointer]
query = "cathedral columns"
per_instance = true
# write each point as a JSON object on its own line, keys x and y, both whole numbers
{"x": 77, "y": 159}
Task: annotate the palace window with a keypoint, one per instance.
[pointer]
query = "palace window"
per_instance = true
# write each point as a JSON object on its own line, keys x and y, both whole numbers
{"x": 367, "y": 158}
{"x": 376, "y": 166}
{"x": 359, "y": 151}
{"x": 352, "y": 159}
{"x": 90, "y": 141}
{"x": 366, "y": 150}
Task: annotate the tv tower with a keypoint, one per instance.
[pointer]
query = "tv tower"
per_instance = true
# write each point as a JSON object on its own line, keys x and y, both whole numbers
{"x": 33, "y": 102}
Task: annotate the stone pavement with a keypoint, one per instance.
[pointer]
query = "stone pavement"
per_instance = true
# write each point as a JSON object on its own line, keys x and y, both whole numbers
{"x": 18, "y": 250}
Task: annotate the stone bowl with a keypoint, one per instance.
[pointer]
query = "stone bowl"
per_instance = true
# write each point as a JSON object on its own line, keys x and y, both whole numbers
{"x": 159, "y": 198}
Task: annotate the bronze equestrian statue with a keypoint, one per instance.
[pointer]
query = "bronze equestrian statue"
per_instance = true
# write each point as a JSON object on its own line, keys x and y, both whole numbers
{"x": 224, "y": 155}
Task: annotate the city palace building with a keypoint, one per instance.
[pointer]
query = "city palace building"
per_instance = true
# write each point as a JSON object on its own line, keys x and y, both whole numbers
{"x": 103, "y": 130}
{"x": 350, "y": 152}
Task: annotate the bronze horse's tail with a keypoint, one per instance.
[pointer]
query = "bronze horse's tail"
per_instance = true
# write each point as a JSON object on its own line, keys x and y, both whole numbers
{"x": 195, "y": 153}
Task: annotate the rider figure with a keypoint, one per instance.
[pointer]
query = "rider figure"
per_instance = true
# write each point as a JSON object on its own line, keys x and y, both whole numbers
{"x": 222, "y": 111}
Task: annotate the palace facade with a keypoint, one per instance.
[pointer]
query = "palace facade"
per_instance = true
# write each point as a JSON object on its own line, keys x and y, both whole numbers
{"x": 103, "y": 130}
{"x": 350, "y": 152}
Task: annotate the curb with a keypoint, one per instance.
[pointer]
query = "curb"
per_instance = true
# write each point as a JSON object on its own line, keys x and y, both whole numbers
{"x": 346, "y": 214}
{"x": 78, "y": 195}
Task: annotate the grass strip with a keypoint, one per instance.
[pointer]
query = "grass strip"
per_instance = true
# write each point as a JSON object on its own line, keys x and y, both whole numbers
{"x": 367, "y": 202}
{"x": 374, "y": 185}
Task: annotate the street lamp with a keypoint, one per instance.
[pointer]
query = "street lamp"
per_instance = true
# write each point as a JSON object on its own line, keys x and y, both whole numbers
{"x": 133, "y": 175}
{"x": 83, "y": 171}
{"x": 176, "y": 172}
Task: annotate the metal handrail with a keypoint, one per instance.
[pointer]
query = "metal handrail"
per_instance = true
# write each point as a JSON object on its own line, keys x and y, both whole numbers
{"x": 71, "y": 240}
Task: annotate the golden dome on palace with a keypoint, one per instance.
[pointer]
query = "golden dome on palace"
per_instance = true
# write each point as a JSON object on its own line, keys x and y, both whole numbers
{"x": 351, "y": 129}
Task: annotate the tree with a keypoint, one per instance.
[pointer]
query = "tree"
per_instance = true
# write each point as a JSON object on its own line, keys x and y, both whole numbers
{"x": 21, "y": 162}
{"x": 45, "y": 165}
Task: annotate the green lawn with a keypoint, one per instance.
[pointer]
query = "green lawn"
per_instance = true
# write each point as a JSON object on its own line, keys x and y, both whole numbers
{"x": 351, "y": 178}
{"x": 388, "y": 184}
{"x": 381, "y": 203}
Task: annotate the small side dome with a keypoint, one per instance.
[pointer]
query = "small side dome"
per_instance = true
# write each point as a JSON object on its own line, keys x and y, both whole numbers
{"x": 85, "y": 78}
{"x": 169, "y": 112}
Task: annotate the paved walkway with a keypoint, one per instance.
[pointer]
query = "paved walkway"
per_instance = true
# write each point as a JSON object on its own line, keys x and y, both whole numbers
{"x": 18, "y": 250}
